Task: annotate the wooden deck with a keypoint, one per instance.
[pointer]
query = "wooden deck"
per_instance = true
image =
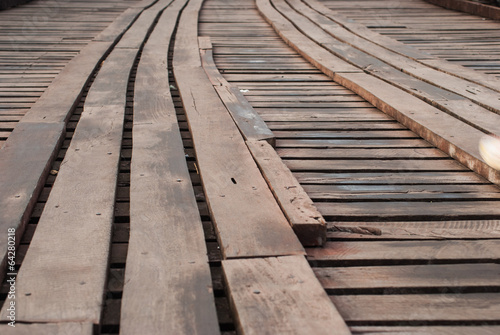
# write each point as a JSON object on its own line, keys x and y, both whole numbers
{"x": 248, "y": 167}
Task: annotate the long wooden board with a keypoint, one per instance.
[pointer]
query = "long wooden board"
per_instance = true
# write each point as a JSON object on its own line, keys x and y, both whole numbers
{"x": 428, "y": 251}
{"x": 306, "y": 221}
{"x": 417, "y": 277}
{"x": 251, "y": 125}
{"x": 166, "y": 246}
{"x": 235, "y": 189}
{"x": 25, "y": 160}
{"x": 279, "y": 296}
{"x": 435, "y": 307}
{"x": 70, "y": 248}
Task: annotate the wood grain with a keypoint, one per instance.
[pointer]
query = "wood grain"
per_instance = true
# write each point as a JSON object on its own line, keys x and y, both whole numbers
{"x": 66, "y": 328}
{"x": 279, "y": 296}
{"x": 299, "y": 209}
{"x": 233, "y": 184}
{"x": 166, "y": 246}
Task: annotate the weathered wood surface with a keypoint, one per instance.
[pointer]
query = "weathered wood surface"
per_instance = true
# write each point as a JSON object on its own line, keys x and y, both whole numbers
{"x": 406, "y": 308}
{"x": 166, "y": 247}
{"x": 471, "y": 7}
{"x": 349, "y": 157}
{"x": 306, "y": 221}
{"x": 251, "y": 125}
{"x": 76, "y": 225}
{"x": 279, "y": 296}
{"x": 410, "y": 277}
{"x": 427, "y": 330}
{"x": 366, "y": 86}
{"x": 25, "y": 159}
{"x": 433, "y": 30}
{"x": 234, "y": 186}
{"x": 403, "y": 49}
{"x": 65, "y": 328}
{"x": 412, "y": 251}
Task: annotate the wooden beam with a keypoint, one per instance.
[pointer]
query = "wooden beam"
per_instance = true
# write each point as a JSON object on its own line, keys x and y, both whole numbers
{"x": 251, "y": 125}
{"x": 299, "y": 209}
{"x": 48, "y": 329}
{"x": 279, "y": 296}
{"x": 248, "y": 220}
{"x": 167, "y": 245}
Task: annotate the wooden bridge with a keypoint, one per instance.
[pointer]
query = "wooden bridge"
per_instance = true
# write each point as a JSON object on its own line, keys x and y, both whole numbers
{"x": 249, "y": 167}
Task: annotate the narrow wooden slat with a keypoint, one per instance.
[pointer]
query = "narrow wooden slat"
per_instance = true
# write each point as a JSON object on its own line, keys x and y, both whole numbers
{"x": 407, "y": 50}
{"x": 422, "y": 122}
{"x": 427, "y": 251}
{"x": 475, "y": 8}
{"x": 451, "y": 277}
{"x": 27, "y": 155}
{"x": 48, "y": 329}
{"x": 251, "y": 125}
{"x": 299, "y": 209}
{"x": 439, "y": 307}
{"x": 442, "y": 130}
{"x": 279, "y": 296}
{"x": 166, "y": 247}
{"x": 473, "y": 229}
{"x": 235, "y": 189}
{"x": 427, "y": 330}
{"x": 70, "y": 248}
{"x": 316, "y": 55}
{"x": 405, "y": 209}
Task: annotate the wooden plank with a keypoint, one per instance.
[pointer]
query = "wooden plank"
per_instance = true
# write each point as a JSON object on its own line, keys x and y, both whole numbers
{"x": 473, "y": 229}
{"x": 77, "y": 225}
{"x": 233, "y": 184}
{"x": 390, "y": 192}
{"x": 316, "y": 55}
{"x": 414, "y": 77}
{"x": 435, "y": 307}
{"x": 471, "y": 7}
{"x": 427, "y": 330}
{"x": 31, "y": 150}
{"x": 452, "y": 277}
{"x": 442, "y": 130}
{"x": 166, "y": 242}
{"x": 424, "y": 251}
{"x": 34, "y": 141}
{"x": 402, "y": 49}
{"x": 402, "y": 210}
{"x": 392, "y": 178}
{"x": 377, "y": 165}
{"x": 299, "y": 209}
{"x": 251, "y": 125}
{"x": 48, "y": 329}
{"x": 352, "y": 153}
{"x": 279, "y": 296}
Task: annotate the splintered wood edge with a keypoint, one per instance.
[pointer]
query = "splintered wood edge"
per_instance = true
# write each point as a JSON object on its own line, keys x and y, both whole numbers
{"x": 299, "y": 209}
{"x": 279, "y": 295}
{"x": 249, "y": 122}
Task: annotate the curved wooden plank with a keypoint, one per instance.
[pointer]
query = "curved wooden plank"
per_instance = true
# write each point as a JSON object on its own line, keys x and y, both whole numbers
{"x": 167, "y": 244}
{"x": 306, "y": 221}
{"x": 437, "y": 127}
{"x": 248, "y": 220}
{"x": 70, "y": 247}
